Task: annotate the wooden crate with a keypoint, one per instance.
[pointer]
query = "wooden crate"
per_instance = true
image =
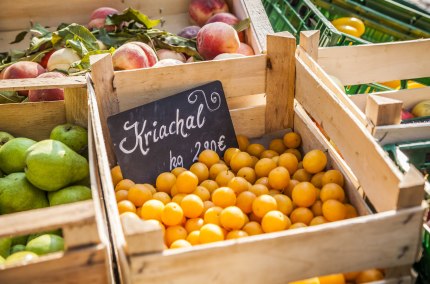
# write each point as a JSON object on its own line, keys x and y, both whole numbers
{"x": 361, "y": 64}
{"x": 18, "y": 15}
{"x": 344, "y": 122}
{"x": 84, "y": 224}
{"x": 260, "y": 95}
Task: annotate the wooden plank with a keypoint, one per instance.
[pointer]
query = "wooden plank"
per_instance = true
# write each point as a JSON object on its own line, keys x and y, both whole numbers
{"x": 107, "y": 101}
{"x": 309, "y": 41}
{"x": 263, "y": 258}
{"x": 116, "y": 230}
{"x": 260, "y": 24}
{"x": 383, "y": 111}
{"x": 409, "y": 97}
{"x": 51, "y": 13}
{"x": 36, "y": 120}
{"x": 240, "y": 77}
{"x": 280, "y": 81}
{"x": 76, "y": 104}
{"x": 142, "y": 237}
{"x": 85, "y": 265}
{"x": 312, "y": 139}
{"x": 402, "y": 133}
{"x": 376, "y": 62}
{"x": 69, "y": 216}
{"x": 249, "y": 121}
{"x": 42, "y": 83}
{"x": 375, "y": 171}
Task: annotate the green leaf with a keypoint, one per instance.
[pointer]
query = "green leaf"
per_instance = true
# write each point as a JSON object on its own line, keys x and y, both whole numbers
{"x": 9, "y": 97}
{"x": 75, "y": 33}
{"x": 16, "y": 54}
{"x": 131, "y": 15}
{"x": 84, "y": 63}
{"x": 36, "y": 57}
{"x": 242, "y": 25}
{"x": 39, "y": 30}
{"x": 37, "y": 43}
{"x": 77, "y": 46}
{"x": 19, "y": 37}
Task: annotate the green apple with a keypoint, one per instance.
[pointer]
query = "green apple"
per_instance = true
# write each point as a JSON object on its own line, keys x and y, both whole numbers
{"x": 74, "y": 136}
{"x": 4, "y": 137}
{"x": 12, "y": 155}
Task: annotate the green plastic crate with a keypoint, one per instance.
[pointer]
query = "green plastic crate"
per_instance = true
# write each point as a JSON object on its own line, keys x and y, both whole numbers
{"x": 423, "y": 266}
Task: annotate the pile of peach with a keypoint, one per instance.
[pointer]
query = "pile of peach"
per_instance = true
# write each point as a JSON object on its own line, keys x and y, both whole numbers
{"x": 253, "y": 190}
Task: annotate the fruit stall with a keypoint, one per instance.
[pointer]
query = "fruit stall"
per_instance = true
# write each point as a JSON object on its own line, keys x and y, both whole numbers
{"x": 214, "y": 141}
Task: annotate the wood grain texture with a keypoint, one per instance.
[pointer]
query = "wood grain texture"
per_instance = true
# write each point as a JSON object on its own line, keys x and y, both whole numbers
{"x": 107, "y": 101}
{"x": 309, "y": 41}
{"x": 52, "y": 13}
{"x": 63, "y": 216}
{"x": 376, "y": 62}
{"x": 85, "y": 265}
{"x": 42, "y": 83}
{"x": 280, "y": 81}
{"x": 377, "y": 174}
{"x": 35, "y": 120}
{"x": 263, "y": 258}
{"x": 402, "y": 133}
{"x": 240, "y": 77}
{"x": 383, "y": 111}
{"x": 249, "y": 121}
{"x": 260, "y": 24}
{"x": 76, "y": 105}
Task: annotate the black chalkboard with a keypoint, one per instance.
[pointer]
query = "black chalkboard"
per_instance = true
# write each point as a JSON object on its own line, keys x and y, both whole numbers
{"x": 171, "y": 132}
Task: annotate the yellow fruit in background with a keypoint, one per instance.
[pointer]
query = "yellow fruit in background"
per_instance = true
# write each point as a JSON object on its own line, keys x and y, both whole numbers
{"x": 255, "y": 149}
{"x": 263, "y": 204}
{"x": 269, "y": 154}
{"x": 165, "y": 181}
{"x": 264, "y": 166}
{"x": 296, "y": 153}
{"x": 203, "y": 193}
{"x": 212, "y": 215}
{"x": 243, "y": 142}
{"x": 275, "y": 221}
{"x": 318, "y": 220}
{"x": 172, "y": 214}
{"x": 236, "y": 234}
{"x": 139, "y": 194}
{"x": 210, "y": 233}
{"x": 279, "y": 178}
{"x": 301, "y": 215}
{"x": 192, "y": 206}
{"x": 422, "y": 109}
{"x": 297, "y": 225}
{"x": 186, "y": 182}
{"x": 194, "y": 224}
{"x": 350, "y": 25}
{"x": 152, "y": 209}
{"x": 288, "y": 161}
{"x": 285, "y": 205}
{"x": 162, "y": 196}
{"x": 277, "y": 145}
{"x": 174, "y": 233}
{"x": 334, "y": 210}
{"x": 332, "y": 191}
{"x": 177, "y": 171}
{"x": 244, "y": 201}
{"x": 116, "y": 175}
{"x": 210, "y": 185}
{"x": 224, "y": 197}
{"x": 259, "y": 189}
{"x": 121, "y": 195}
{"x": 369, "y": 275}
{"x": 232, "y": 218}
{"x": 304, "y": 194}
{"x": 332, "y": 279}
{"x": 216, "y": 169}
{"x": 208, "y": 157}
{"x": 253, "y": 228}
{"x": 180, "y": 244}
{"x": 193, "y": 238}
{"x": 302, "y": 175}
{"x": 240, "y": 160}
{"x": 316, "y": 179}
{"x": 124, "y": 184}
{"x": 200, "y": 170}
{"x": 126, "y": 206}
{"x": 178, "y": 198}
{"x": 238, "y": 184}
{"x": 229, "y": 153}
{"x": 224, "y": 177}
{"x": 314, "y": 161}
{"x": 351, "y": 212}
{"x": 292, "y": 140}
{"x": 332, "y": 176}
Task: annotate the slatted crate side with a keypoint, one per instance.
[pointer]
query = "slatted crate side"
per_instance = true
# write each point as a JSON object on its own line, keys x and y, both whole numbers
{"x": 363, "y": 242}
{"x": 375, "y": 171}
{"x": 83, "y": 223}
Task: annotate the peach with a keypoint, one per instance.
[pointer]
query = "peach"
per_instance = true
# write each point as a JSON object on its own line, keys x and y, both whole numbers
{"x": 98, "y": 18}
{"x": 217, "y": 38}
{"x": 47, "y": 94}
{"x": 23, "y": 69}
{"x": 168, "y": 62}
{"x": 149, "y": 51}
{"x": 245, "y": 49}
{"x": 45, "y": 58}
{"x": 201, "y": 10}
{"x": 189, "y": 32}
{"x": 229, "y": 19}
{"x": 166, "y": 54}
{"x": 62, "y": 59}
{"x": 134, "y": 55}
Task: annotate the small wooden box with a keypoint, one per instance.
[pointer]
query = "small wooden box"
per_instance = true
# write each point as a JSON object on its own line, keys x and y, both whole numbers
{"x": 260, "y": 95}
{"x": 87, "y": 258}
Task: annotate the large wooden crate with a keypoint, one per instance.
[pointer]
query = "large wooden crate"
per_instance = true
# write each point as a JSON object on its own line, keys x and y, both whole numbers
{"x": 260, "y": 95}
{"x": 345, "y": 123}
{"x": 354, "y": 65}
{"x": 18, "y": 15}
{"x": 87, "y": 258}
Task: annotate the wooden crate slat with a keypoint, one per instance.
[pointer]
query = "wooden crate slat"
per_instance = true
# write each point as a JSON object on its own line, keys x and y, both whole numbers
{"x": 42, "y": 83}
{"x": 371, "y": 63}
{"x": 240, "y": 77}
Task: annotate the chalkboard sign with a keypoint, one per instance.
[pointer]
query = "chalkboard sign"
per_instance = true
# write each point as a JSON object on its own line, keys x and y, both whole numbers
{"x": 171, "y": 132}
